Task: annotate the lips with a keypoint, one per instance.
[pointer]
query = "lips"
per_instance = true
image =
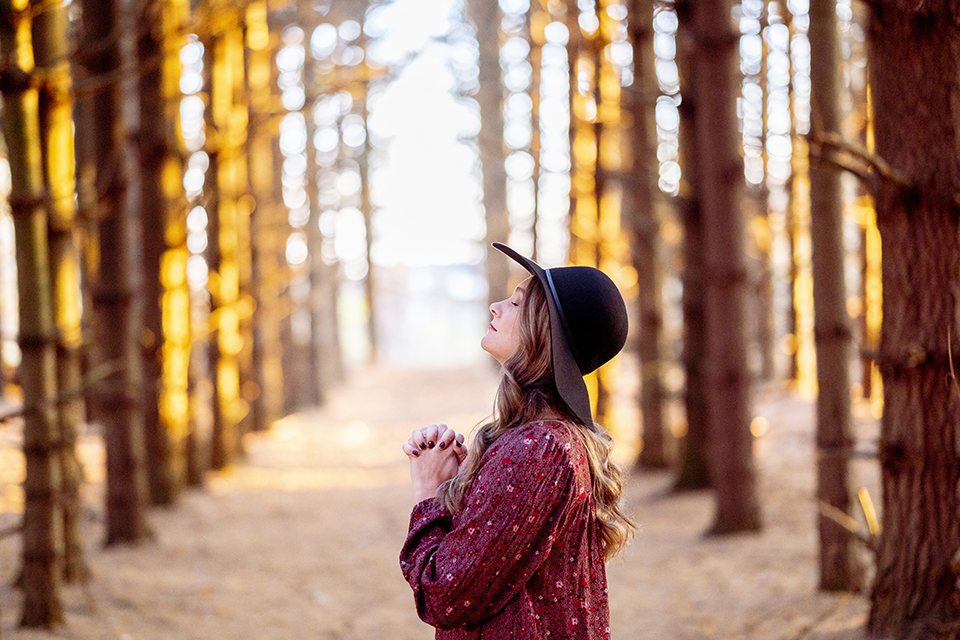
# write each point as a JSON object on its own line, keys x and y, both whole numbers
{"x": 492, "y": 328}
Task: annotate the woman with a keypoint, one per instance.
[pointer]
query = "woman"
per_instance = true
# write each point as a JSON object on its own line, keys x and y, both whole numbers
{"x": 509, "y": 541}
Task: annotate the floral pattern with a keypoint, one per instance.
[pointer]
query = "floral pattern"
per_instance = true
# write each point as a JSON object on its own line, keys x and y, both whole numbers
{"x": 524, "y": 558}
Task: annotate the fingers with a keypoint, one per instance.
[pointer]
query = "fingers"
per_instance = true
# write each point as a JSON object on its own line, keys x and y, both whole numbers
{"x": 460, "y": 449}
{"x": 410, "y": 450}
{"x": 426, "y": 438}
{"x": 446, "y": 439}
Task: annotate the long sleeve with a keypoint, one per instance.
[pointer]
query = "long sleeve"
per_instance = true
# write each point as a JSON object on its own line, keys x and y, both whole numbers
{"x": 528, "y": 490}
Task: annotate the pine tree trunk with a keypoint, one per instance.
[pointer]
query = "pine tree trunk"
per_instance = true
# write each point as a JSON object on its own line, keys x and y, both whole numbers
{"x": 50, "y": 41}
{"x": 640, "y": 218}
{"x": 914, "y": 53}
{"x": 163, "y": 259}
{"x": 42, "y": 547}
{"x": 730, "y": 442}
{"x": 485, "y": 16}
{"x": 260, "y": 176}
{"x": 693, "y": 472}
{"x": 117, "y": 305}
{"x": 317, "y": 382}
{"x": 838, "y": 569}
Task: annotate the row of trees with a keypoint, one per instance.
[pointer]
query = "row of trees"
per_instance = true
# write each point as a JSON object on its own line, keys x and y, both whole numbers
{"x": 120, "y": 321}
{"x": 901, "y": 171}
{"x": 155, "y": 309}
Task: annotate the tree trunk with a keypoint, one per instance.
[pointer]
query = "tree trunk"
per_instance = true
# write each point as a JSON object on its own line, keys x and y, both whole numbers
{"x": 914, "y": 53}
{"x": 260, "y": 139}
{"x": 486, "y": 18}
{"x": 693, "y": 472}
{"x": 640, "y": 219}
{"x": 838, "y": 570}
{"x": 228, "y": 170}
{"x": 317, "y": 382}
{"x": 56, "y": 125}
{"x": 730, "y": 442}
{"x": 42, "y": 546}
{"x": 166, "y": 338}
{"x": 117, "y": 304}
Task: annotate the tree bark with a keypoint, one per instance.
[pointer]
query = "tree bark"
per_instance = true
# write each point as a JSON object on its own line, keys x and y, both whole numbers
{"x": 838, "y": 569}
{"x": 486, "y": 18}
{"x": 50, "y": 41}
{"x": 641, "y": 221}
{"x": 165, "y": 336}
{"x": 117, "y": 303}
{"x": 914, "y": 54}
{"x": 693, "y": 472}
{"x": 730, "y": 442}
{"x": 42, "y": 547}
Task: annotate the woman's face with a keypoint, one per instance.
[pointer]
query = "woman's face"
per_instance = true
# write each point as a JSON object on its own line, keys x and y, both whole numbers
{"x": 503, "y": 335}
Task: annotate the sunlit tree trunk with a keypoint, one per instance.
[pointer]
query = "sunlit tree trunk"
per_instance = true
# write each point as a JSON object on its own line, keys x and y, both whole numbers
{"x": 56, "y": 125}
{"x": 730, "y": 442}
{"x": 366, "y": 206}
{"x": 641, "y": 222}
{"x": 42, "y": 546}
{"x": 693, "y": 472}
{"x": 536, "y": 20}
{"x": 914, "y": 57}
{"x": 316, "y": 384}
{"x": 166, "y": 338}
{"x": 228, "y": 170}
{"x": 831, "y": 322}
{"x": 260, "y": 139}
{"x": 117, "y": 301}
{"x": 485, "y": 16}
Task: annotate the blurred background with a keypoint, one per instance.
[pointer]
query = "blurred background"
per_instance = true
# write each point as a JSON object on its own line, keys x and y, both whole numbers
{"x": 221, "y": 219}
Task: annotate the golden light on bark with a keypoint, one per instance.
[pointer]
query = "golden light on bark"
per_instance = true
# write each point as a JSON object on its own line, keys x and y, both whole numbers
{"x": 803, "y": 340}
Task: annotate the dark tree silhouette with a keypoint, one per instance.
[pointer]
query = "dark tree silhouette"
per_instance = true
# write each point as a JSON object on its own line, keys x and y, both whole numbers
{"x": 914, "y": 63}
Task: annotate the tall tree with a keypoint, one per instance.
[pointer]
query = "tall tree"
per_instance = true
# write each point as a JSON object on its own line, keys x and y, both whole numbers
{"x": 486, "y": 18}
{"x": 165, "y": 335}
{"x": 914, "y": 65}
{"x": 50, "y": 40}
{"x": 693, "y": 472}
{"x": 730, "y": 442}
{"x": 260, "y": 141}
{"x": 117, "y": 304}
{"x": 641, "y": 222}
{"x": 318, "y": 273}
{"x": 831, "y": 320}
{"x": 42, "y": 546}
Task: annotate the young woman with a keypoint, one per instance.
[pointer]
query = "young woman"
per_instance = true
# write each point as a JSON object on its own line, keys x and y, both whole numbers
{"x": 509, "y": 541}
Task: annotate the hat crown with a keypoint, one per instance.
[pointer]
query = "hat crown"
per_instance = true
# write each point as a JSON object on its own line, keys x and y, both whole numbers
{"x": 593, "y": 313}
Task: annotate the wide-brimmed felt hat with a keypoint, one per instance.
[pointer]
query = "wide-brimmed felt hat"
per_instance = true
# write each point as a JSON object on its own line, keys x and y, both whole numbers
{"x": 588, "y": 325}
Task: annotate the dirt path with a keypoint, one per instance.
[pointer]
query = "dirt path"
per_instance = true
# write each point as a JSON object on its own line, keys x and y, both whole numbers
{"x": 301, "y": 540}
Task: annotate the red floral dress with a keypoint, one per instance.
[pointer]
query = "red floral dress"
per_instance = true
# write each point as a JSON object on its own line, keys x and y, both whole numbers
{"x": 523, "y": 559}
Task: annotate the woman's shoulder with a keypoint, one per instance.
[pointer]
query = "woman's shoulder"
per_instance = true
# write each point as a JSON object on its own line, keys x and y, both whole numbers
{"x": 543, "y": 435}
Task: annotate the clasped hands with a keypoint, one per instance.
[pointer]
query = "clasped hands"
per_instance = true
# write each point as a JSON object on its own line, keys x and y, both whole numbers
{"x": 436, "y": 453}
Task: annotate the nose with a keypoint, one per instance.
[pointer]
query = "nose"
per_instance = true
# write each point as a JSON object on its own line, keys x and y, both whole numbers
{"x": 495, "y": 309}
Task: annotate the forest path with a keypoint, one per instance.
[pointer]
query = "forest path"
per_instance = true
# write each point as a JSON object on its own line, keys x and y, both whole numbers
{"x": 300, "y": 540}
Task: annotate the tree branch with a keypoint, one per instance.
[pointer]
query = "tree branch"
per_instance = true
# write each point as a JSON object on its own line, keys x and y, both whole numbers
{"x": 834, "y": 142}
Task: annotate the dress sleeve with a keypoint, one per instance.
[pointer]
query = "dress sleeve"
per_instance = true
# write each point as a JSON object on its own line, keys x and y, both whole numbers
{"x": 464, "y": 573}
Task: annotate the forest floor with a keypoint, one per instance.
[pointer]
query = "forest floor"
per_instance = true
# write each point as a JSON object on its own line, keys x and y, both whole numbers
{"x": 301, "y": 539}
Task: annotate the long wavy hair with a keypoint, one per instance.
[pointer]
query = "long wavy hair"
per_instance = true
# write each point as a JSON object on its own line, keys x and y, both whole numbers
{"x": 526, "y": 393}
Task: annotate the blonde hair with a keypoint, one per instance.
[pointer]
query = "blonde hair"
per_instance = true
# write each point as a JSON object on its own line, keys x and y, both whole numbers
{"x": 526, "y": 392}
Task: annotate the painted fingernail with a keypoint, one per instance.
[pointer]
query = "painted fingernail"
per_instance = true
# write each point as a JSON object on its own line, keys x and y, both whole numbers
{"x": 423, "y": 445}
{"x": 430, "y": 444}
{"x": 459, "y": 444}
{"x": 416, "y": 453}
{"x": 443, "y": 445}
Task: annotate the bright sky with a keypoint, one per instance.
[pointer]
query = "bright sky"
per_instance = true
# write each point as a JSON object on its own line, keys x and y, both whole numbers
{"x": 427, "y": 190}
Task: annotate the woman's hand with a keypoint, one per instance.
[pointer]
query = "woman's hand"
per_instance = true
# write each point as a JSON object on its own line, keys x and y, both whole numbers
{"x": 436, "y": 453}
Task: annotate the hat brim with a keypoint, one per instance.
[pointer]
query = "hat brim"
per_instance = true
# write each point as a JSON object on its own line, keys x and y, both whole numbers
{"x": 566, "y": 371}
